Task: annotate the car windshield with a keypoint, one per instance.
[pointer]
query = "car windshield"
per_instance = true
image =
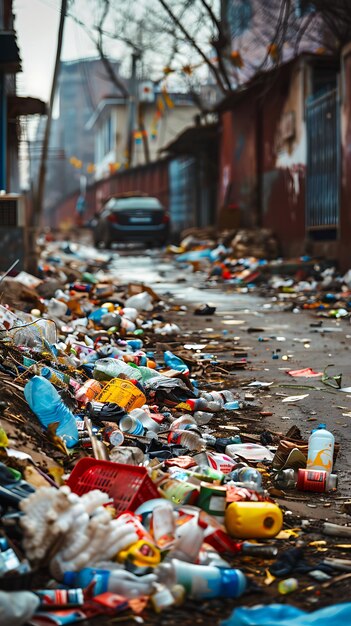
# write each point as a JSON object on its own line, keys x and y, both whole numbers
{"x": 134, "y": 203}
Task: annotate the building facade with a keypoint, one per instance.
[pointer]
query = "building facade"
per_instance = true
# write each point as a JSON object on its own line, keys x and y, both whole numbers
{"x": 164, "y": 116}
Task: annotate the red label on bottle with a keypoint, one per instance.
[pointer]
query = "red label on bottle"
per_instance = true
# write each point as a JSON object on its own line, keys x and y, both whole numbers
{"x": 311, "y": 480}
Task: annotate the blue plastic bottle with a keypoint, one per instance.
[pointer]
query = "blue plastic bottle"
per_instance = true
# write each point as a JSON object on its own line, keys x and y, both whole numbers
{"x": 174, "y": 362}
{"x": 48, "y": 406}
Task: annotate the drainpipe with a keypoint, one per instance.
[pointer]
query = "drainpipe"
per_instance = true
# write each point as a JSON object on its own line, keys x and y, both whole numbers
{"x": 3, "y": 133}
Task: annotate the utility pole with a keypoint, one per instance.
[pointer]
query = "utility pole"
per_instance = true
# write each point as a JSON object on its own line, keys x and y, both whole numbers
{"x": 133, "y": 97}
{"x": 38, "y": 196}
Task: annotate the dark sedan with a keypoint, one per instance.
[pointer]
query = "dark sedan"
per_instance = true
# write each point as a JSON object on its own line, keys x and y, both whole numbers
{"x": 132, "y": 219}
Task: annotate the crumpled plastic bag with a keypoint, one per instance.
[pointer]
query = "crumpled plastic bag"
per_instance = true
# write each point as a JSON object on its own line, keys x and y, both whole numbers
{"x": 285, "y": 615}
{"x": 17, "y": 607}
{"x": 168, "y": 391}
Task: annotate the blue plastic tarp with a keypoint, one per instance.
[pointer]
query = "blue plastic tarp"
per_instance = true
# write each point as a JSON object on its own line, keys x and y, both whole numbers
{"x": 286, "y": 615}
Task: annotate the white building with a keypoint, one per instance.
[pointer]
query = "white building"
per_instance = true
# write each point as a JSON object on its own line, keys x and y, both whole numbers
{"x": 165, "y": 115}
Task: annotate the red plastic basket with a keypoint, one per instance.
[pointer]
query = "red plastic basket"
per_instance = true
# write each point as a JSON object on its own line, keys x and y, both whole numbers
{"x": 128, "y": 485}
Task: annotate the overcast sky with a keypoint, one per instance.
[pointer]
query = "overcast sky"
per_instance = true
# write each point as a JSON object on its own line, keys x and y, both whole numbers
{"x": 37, "y": 26}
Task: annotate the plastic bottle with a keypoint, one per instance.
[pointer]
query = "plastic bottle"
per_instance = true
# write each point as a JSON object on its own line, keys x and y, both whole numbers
{"x": 190, "y": 440}
{"x": 247, "y": 475}
{"x": 144, "y": 417}
{"x": 115, "y": 580}
{"x": 146, "y": 373}
{"x": 316, "y": 480}
{"x": 106, "y": 369}
{"x": 174, "y": 362}
{"x": 162, "y": 525}
{"x": 253, "y": 520}
{"x": 48, "y": 406}
{"x": 131, "y": 425}
{"x": 203, "y": 581}
{"x": 184, "y": 422}
{"x": 200, "y": 404}
{"x": 320, "y": 449}
{"x": 202, "y": 417}
{"x": 88, "y": 391}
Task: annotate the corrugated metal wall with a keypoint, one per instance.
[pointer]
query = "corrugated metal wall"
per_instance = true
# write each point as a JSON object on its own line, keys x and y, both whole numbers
{"x": 323, "y": 171}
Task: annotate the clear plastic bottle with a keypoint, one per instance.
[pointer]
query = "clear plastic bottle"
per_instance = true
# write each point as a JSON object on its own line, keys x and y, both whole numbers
{"x": 144, "y": 417}
{"x": 48, "y": 406}
{"x": 203, "y": 581}
{"x": 189, "y": 439}
{"x": 106, "y": 369}
{"x": 202, "y": 417}
{"x": 183, "y": 422}
{"x": 115, "y": 580}
{"x": 247, "y": 475}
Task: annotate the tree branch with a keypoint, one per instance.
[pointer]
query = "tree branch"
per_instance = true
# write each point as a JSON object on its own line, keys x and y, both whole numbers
{"x": 191, "y": 40}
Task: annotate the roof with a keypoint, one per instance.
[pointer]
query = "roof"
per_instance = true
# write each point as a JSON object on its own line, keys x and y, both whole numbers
{"x": 192, "y": 139}
{"x": 261, "y": 78}
{"x": 10, "y": 60}
{"x": 103, "y": 104}
{"x": 18, "y": 105}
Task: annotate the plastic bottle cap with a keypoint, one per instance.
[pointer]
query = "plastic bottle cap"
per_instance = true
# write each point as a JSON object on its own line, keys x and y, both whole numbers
{"x": 332, "y": 481}
{"x": 233, "y": 583}
{"x": 69, "y": 578}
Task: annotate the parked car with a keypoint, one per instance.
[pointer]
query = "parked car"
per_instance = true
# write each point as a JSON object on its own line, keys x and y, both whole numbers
{"x": 134, "y": 218}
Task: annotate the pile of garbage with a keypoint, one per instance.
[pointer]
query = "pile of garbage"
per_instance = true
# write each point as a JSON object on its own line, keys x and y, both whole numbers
{"x": 249, "y": 261}
{"x": 117, "y": 494}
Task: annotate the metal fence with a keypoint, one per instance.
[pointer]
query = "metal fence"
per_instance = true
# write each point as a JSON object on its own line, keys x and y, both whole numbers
{"x": 323, "y": 150}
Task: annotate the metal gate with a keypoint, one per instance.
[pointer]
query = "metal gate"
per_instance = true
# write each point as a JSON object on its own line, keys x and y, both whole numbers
{"x": 323, "y": 150}
{"x": 182, "y": 201}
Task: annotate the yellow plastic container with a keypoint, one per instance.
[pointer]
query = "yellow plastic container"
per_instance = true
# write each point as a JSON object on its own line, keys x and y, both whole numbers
{"x": 142, "y": 553}
{"x": 122, "y": 392}
{"x": 253, "y": 520}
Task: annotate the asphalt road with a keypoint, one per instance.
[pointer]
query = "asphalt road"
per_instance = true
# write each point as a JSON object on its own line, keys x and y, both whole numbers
{"x": 245, "y": 318}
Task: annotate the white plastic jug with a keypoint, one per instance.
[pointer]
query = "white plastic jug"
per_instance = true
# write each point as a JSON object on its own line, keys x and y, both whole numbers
{"x": 321, "y": 449}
